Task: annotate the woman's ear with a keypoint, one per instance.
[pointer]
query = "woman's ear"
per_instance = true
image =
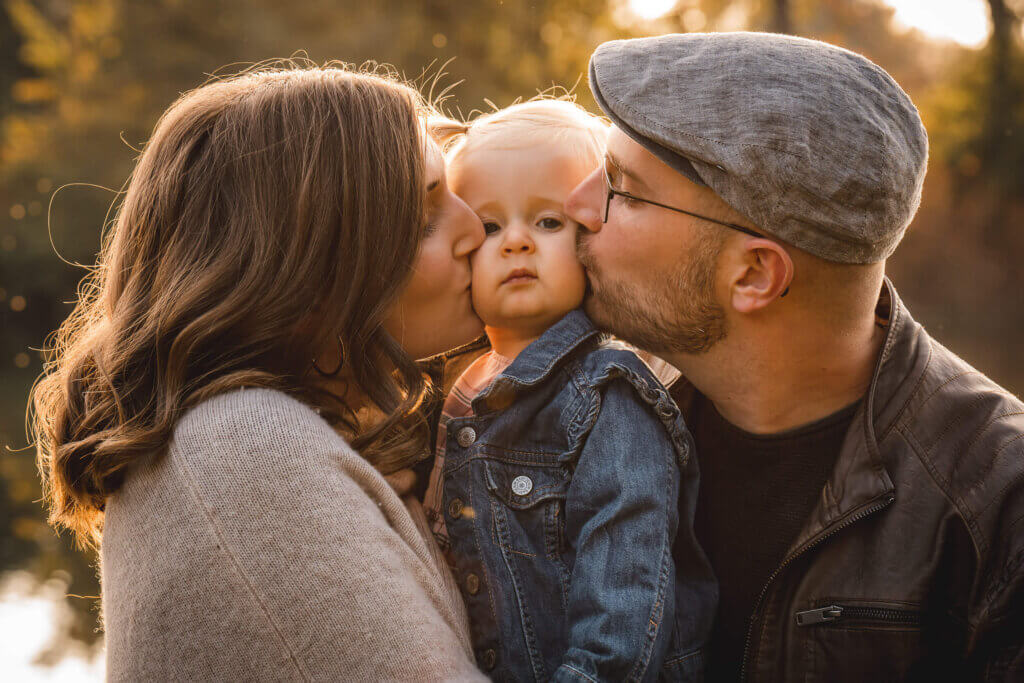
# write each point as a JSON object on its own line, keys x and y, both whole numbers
{"x": 765, "y": 275}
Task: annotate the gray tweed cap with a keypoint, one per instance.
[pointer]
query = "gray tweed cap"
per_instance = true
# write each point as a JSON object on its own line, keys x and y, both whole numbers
{"x": 815, "y": 144}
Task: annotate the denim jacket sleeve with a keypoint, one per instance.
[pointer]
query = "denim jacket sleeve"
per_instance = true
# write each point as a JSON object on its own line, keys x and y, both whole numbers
{"x": 621, "y": 517}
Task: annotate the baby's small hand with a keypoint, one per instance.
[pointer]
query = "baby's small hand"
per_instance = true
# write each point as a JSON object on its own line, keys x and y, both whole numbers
{"x": 402, "y": 481}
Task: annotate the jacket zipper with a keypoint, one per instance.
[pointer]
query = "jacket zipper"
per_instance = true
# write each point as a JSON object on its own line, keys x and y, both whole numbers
{"x": 757, "y": 605}
{"x": 888, "y": 615}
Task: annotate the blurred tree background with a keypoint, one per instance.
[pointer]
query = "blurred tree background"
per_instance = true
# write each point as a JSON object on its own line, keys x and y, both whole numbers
{"x": 82, "y": 83}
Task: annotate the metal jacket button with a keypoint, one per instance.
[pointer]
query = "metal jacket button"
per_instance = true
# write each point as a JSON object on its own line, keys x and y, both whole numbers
{"x": 466, "y": 437}
{"x": 522, "y": 485}
{"x": 455, "y": 508}
{"x": 472, "y": 584}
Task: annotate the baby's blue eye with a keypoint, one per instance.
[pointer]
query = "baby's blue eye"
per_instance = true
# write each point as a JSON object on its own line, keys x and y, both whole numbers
{"x": 490, "y": 227}
{"x": 550, "y": 223}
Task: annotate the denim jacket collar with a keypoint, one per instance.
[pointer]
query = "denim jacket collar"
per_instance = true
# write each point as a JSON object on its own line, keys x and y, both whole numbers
{"x": 535, "y": 363}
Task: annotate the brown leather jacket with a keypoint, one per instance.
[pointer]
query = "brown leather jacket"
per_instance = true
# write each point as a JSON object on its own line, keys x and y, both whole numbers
{"x": 911, "y": 567}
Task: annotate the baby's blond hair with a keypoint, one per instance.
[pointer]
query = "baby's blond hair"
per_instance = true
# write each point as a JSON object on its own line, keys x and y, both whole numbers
{"x": 558, "y": 121}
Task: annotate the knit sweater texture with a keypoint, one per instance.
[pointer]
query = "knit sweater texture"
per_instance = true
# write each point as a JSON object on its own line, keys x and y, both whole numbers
{"x": 262, "y": 547}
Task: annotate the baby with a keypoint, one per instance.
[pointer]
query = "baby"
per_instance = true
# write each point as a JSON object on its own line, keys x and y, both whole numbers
{"x": 564, "y": 482}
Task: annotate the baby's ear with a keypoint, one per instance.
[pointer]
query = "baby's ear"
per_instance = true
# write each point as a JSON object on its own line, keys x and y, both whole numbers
{"x": 445, "y": 131}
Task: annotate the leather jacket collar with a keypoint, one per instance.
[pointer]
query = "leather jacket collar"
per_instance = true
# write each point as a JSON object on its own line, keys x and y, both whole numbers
{"x": 859, "y": 482}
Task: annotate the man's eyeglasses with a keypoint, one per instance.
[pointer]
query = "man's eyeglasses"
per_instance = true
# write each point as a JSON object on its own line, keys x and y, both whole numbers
{"x": 612, "y": 192}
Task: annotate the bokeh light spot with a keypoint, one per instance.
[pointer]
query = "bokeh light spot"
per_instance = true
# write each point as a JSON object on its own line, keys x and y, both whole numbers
{"x": 551, "y": 33}
{"x": 694, "y": 19}
{"x": 651, "y": 9}
{"x": 964, "y": 21}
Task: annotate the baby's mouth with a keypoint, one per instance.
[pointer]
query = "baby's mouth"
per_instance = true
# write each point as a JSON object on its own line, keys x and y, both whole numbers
{"x": 519, "y": 275}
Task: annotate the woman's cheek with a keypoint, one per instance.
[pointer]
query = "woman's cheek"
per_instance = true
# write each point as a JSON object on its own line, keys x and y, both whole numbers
{"x": 421, "y": 279}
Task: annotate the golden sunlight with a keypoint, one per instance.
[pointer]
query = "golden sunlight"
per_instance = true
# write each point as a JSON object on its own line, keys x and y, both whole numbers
{"x": 963, "y": 21}
{"x": 651, "y": 9}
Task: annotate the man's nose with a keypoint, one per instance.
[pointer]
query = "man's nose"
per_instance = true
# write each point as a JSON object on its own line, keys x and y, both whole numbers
{"x": 585, "y": 202}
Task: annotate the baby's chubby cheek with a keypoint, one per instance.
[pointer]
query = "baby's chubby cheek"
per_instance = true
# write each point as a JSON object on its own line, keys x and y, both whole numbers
{"x": 575, "y": 287}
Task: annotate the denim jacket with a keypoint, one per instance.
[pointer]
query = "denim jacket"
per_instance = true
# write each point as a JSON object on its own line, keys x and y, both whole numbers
{"x": 560, "y": 495}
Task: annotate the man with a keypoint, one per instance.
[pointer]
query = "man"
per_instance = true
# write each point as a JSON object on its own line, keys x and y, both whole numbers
{"x": 862, "y": 495}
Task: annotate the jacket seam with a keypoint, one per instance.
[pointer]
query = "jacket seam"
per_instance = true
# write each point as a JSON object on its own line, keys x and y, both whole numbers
{"x": 948, "y": 381}
{"x": 488, "y": 455}
{"x": 635, "y": 379}
{"x": 1012, "y": 482}
{"x": 981, "y": 547}
{"x": 529, "y": 635}
{"x": 672, "y": 661}
{"x": 901, "y": 414}
{"x": 1014, "y": 563}
{"x": 488, "y": 576}
{"x": 576, "y": 672}
{"x": 643, "y": 661}
{"x": 211, "y": 520}
{"x": 981, "y": 430}
{"x": 571, "y": 348}
{"x": 975, "y": 400}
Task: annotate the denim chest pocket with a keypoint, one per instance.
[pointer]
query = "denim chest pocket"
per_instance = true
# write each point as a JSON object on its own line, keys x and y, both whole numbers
{"x": 528, "y": 507}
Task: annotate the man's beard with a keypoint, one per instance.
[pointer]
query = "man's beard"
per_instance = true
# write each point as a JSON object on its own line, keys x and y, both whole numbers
{"x": 672, "y": 314}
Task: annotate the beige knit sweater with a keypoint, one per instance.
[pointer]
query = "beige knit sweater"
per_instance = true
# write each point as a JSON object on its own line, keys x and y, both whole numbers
{"x": 262, "y": 547}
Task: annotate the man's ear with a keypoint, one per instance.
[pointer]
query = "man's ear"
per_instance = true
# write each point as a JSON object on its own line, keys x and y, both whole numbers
{"x": 764, "y": 276}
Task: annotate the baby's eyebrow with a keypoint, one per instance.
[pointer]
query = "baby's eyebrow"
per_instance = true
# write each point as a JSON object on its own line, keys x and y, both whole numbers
{"x": 537, "y": 202}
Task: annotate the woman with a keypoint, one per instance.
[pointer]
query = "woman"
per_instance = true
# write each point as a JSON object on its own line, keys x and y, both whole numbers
{"x": 286, "y": 245}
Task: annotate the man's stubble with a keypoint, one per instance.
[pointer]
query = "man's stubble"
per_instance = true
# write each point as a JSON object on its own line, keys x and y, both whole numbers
{"x": 667, "y": 313}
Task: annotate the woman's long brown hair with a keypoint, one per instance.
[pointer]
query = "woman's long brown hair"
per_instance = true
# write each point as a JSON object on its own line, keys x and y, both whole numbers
{"x": 270, "y": 213}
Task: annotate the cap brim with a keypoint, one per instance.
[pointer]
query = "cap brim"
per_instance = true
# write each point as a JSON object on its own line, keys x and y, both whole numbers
{"x": 673, "y": 159}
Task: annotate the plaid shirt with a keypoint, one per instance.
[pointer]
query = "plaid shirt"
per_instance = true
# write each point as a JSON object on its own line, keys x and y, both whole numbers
{"x": 458, "y": 403}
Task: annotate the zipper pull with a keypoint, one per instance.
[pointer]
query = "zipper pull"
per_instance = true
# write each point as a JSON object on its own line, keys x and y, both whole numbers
{"x": 818, "y": 616}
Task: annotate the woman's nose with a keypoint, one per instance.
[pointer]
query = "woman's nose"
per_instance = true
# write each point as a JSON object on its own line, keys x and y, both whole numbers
{"x": 470, "y": 233}
{"x": 585, "y": 203}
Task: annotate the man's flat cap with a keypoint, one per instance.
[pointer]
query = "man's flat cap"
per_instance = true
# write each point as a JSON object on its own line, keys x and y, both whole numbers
{"x": 815, "y": 144}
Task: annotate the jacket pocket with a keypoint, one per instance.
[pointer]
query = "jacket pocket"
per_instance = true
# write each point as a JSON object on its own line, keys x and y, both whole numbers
{"x": 864, "y": 616}
{"x": 527, "y": 526}
{"x": 528, "y": 501}
{"x": 862, "y": 641}
{"x": 683, "y": 668}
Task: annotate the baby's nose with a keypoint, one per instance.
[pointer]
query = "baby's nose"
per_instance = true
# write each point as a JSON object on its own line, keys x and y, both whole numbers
{"x": 517, "y": 240}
